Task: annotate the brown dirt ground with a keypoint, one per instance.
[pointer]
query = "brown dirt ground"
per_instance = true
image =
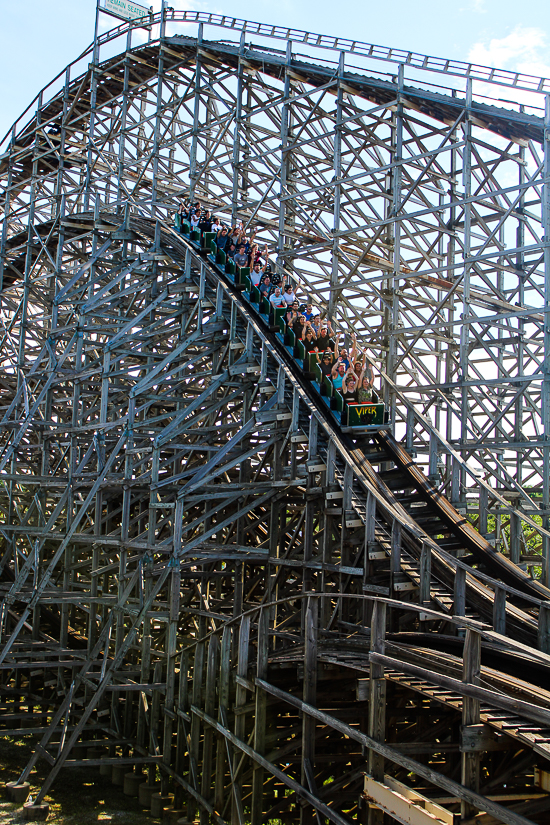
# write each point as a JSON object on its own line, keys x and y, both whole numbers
{"x": 80, "y": 796}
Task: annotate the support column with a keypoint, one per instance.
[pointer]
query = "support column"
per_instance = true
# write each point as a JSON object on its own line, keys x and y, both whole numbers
{"x": 377, "y": 703}
{"x": 240, "y": 719}
{"x": 196, "y": 116}
{"x": 394, "y": 239}
{"x": 334, "y": 278}
{"x": 471, "y": 669}
{"x": 237, "y": 135}
{"x": 310, "y": 696}
{"x": 91, "y": 126}
{"x": 260, "y": 718}
{"x": 546, "y": 362}
{"x": 467, "y": 246}
{"x": 208, "y": 738}
{"x": 285, "y": 162}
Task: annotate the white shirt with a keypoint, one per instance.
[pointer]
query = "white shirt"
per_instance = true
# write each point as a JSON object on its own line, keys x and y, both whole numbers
{"x": 255, "y": 277}
{"x": 289, "y": 297}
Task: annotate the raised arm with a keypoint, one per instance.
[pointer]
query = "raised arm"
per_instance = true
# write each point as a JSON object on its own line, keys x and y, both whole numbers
{"x": 334, "y": 371}
{"x": 368, "y": 372}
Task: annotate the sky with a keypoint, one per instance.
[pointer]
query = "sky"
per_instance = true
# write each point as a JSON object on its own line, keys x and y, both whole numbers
{"x": 39, "y": 37}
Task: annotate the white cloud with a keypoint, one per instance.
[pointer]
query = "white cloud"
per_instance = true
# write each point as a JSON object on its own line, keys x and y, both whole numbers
{"x": 523, "y": 50}
{"x": 479, "y": 6}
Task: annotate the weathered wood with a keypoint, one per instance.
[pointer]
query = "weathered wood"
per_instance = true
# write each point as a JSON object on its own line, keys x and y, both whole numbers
{"x": 425, "y": 573}
{"x": 223, "y": 708}
{"x": 377, "y": 703}
{"x": 260, "y": 717}
{"x": 499, "y": 611}
{"x": 470, "y": 690}
{"x": 240, "y": 720}
{"x": 208, "y": 738}
{"x": 471, "y": 670}
{"x": 310, "y": 695}
{"x": 459, "y": 598}
{"x": 386, "y": 751}
{"x": 175, "y": 492}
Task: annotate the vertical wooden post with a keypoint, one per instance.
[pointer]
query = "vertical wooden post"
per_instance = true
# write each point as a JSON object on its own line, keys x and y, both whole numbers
{"x": 154, "y": 720}
{"x": 515, "y": 538}
{"x": 260, "y": 719}
{"x": 240, "y": 721}
{"x": 433, "y": 459}
{"x": 223, "y": 708}
{"x": 196, "y": 698}
{"x": 483, "y": 511}
{"x": 145, "y": 670}
{"x": 459, "y": 605}
{"x": 328, "y": 531}
{"x": 181, "y": 741}
{"x": 499, "y": 611}
{"x": 370, "y": 539}
{"x": 544, "y": 627}
{"x": 370, "y": 519}
{"x": 307, "y": 580}
{"x": 310, "y": 696}
{"x": 345, "y": 606}
{"x": 395, "y": 568}
{"x": 409, "y": 429}
{"x": 171, "y": 645}
{"x": 471, "y": 669}
{"x": 455, "y": 481}
{"x": 395, "y": 558}
{"x": 377, "y": 703}
{"x": 210, "y": 710}
{"x": 425, "y": 573}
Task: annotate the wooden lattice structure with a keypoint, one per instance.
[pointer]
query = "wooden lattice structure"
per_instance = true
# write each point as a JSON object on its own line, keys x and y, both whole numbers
{"x": 204, "y": 580}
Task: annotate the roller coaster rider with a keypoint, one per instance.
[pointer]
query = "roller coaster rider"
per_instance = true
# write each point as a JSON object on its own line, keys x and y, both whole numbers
{"x": 345, "y": 382}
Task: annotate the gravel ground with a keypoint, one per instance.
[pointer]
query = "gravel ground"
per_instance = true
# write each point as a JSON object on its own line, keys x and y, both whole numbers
{"x": 80, "y": 796}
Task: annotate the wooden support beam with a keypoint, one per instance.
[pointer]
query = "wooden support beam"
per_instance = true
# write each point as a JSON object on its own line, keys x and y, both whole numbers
{"x": 377, "y": 703}
{"x": 471, "y": 670}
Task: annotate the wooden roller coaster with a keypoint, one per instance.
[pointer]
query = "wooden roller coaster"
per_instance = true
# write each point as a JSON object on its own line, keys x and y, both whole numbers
{"x": 212, "y": 586}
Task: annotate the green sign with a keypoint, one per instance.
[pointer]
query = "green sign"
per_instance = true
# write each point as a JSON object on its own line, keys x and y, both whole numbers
{"x": 126, "y": 9}
{"x": 365, "y": 414}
